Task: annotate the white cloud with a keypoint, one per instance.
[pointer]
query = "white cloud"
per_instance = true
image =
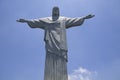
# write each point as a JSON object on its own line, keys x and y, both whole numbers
{"x": 82, "y": 74}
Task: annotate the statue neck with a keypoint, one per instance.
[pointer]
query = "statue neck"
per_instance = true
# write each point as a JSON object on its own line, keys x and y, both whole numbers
{"x": 54, "y": 18}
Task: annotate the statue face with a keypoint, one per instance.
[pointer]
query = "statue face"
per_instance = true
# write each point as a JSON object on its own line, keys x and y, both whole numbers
{"x": 55, "y": 13}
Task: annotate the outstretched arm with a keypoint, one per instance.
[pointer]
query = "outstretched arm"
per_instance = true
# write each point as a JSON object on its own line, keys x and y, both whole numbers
{"x": 71, "y": 22}
{"x": 35, "y": 23}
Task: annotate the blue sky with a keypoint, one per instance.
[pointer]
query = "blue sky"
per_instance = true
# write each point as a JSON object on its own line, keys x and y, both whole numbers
{"x": 94, "y": 47}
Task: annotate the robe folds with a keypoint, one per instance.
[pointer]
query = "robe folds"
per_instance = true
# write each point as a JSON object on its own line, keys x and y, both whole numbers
{"x": 55, "y": 44}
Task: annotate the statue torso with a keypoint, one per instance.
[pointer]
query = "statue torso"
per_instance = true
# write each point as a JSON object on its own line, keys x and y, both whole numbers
{"x": 55, "y": 35}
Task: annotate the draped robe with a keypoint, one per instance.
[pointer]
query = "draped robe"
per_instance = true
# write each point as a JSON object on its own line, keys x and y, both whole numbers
{"x": 55, "y": 44}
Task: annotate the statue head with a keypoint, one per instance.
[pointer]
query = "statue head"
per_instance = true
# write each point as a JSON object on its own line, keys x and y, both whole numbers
{"x": 55, "y": 13}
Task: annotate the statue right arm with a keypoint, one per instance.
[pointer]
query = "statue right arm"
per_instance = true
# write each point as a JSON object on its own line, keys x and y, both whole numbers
{"x": 35, "y": 23}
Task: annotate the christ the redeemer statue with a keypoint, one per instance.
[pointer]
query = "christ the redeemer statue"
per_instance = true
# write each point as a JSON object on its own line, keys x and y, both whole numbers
{"x": 55, "y": 42}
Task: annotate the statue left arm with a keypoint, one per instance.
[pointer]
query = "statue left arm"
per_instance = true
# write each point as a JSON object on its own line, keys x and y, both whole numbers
{"x": 71, "y": 22}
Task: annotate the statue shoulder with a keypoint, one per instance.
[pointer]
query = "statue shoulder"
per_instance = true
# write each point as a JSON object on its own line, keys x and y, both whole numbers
{"x": 45, "y": 18}
{"x": 62, "y": 18}
{"x": 42, "y": 19}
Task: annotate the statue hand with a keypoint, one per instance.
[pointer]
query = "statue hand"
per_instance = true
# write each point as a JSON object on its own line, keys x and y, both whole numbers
{"x": 89, "y": 16}
{"x": 21, "y": 20}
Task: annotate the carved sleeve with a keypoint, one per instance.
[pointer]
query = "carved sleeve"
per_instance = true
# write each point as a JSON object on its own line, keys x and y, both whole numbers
{"x": 71, "y": 22}
{"x": 37, "y": 23}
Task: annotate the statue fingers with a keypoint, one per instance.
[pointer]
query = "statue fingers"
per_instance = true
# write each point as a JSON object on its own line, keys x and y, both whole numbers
{"x": 21, "y": 20}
